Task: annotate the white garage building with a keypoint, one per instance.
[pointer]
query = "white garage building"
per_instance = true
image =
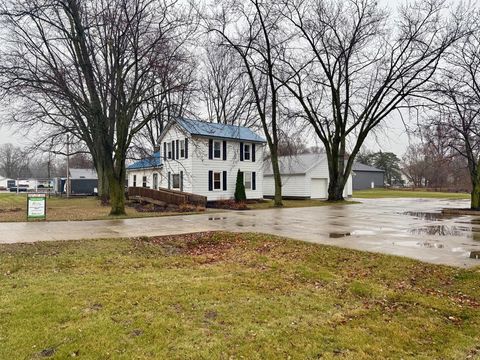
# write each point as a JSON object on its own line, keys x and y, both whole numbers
{"x": 303, "y": 176}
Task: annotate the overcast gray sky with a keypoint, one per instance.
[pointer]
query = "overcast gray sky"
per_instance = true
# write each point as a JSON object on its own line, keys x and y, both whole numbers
{"x": 393, "y": 138}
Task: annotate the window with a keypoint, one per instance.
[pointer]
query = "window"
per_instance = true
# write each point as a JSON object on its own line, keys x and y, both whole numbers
{"x": 217, "y": 149}
{"x": 134, "y": 180}
{"x": 217, "y": 181}
{"x": 246, "y": 151}
{"x": 182, "y": 149}
{"x": 144, "y": 181}
{"x": 155, "y": 181}
{"x": 247, "y": 180}
{"x": 169, "y": 150}
{"x": 176, "y": 181}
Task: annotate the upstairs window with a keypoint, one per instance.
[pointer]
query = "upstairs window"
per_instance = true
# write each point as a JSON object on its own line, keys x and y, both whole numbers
{"x": 169, "y": 150}
{"x": 217, "y": 149}
{"x": 182, "y": 149}
{"x": 246, "y": 151}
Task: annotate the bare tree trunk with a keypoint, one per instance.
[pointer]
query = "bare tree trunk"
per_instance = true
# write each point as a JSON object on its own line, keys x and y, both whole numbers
{"x": 277, "y": 200}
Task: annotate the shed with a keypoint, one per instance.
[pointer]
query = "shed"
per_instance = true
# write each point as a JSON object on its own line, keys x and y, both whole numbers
{"x": 83, "y": 181}
{"x": 367, "y": 177}
{"x": 303, "y": 176}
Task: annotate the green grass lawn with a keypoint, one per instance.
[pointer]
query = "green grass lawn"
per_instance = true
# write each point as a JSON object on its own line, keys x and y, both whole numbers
{"x": 268, "y": 204}
{"x": 387, "y": 193}
{"x": 13, "y": 207}
{"x": 230, "y": 296}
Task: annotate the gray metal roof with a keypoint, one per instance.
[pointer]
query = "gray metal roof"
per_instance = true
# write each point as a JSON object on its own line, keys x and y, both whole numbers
{"x": 203, "y": 128}
{"x": 362, "y": 167}
{"x": 83, "y": 174}
{"x": 295, "y": 164}
{"x": 154, "y": 161}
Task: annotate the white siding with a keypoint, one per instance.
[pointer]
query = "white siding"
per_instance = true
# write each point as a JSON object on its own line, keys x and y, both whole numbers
{"x": 202, "y": 165}
{"x": 175, "y": 133}
{"x": 313, "y": 184}
{"x": 140, "y": 174}
{"x": 292, "y": 186}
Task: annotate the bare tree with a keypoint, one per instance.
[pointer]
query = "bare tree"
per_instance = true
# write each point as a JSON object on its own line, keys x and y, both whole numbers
{"x": 13, "y": 162}
{"x": 225, "y": 88}
{"x": 457, "y": 94}
{"x": 250, "y": 29}
{"x": 353, "y": 66}
{"x": 89, "y": 68}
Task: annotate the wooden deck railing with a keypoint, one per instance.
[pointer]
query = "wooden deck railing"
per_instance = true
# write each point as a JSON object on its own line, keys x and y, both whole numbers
{"x": 168, "y": 196}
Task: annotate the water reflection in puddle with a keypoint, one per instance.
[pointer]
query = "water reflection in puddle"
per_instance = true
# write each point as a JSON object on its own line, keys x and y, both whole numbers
{"x": 441, "y": 230}
{"x": 337, "y": 235}
{"x": 430, "y": 216}
{"x": 217, "y": 218}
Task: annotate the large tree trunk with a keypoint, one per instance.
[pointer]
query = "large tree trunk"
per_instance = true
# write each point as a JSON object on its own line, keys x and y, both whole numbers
{"x": 336, "y": 186}
{"x": 116, "y": 183}
{"x": 475, "y": 194}
{"x": 277, "y": 200}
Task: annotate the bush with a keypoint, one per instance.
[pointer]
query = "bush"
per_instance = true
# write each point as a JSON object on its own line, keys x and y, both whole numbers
{"x": 240, "y": 195}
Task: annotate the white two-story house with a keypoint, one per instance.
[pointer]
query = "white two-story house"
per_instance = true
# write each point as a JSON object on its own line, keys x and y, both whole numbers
{"x": 203, "y": 158}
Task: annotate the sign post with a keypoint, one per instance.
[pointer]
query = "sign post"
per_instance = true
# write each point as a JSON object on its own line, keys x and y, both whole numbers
{"x": 36, "y": 206}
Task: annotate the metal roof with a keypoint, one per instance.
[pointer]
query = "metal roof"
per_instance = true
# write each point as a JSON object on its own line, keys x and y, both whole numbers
{"x": 362, "y": 167}
{"x": 153, "y": 161}
{"x": 89, "y": 174}
{"x": 224, "y": 131}
{"x": 295, "y": 164}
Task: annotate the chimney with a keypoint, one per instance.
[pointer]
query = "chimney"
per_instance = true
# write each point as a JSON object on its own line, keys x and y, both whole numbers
{"x": 156, "y": 148}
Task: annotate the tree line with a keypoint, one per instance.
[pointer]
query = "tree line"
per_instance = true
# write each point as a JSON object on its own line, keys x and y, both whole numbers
{"x": 111, "y": 74}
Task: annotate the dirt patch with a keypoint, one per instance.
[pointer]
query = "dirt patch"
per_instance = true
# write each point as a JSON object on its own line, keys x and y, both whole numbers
{"x": 211, "y": 246}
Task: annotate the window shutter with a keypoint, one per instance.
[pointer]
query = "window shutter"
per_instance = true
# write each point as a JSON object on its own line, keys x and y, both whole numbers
{"x": 210, "y": 149}
{"x": 254, "y": 180}
{"x": 210, "y": 180}
{"x": 173, "y": 149}
{"x": 253, "y": 152}
{"x": 164, "y": 151}
{"x": 176, "y": 146}
{"x": 186, "y": 148}
{"x": 224, "y": 149}
{"x": 224, "y": 181}
{"x": 181, "y": 180}
{"x": 168, "y": 175}
{"x": 241, "y": 151}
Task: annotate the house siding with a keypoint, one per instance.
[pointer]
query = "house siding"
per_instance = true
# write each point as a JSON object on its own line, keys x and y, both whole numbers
{"x": 201, "y": 165}
{"x": 175, "y": 166}
{"x": 297, "y": 186}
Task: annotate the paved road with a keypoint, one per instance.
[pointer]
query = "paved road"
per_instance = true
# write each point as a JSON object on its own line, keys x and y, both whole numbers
{"x": 406, "y": 227}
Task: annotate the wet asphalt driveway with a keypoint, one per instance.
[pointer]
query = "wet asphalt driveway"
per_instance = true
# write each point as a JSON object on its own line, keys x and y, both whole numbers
{"x": 405, "y": 227}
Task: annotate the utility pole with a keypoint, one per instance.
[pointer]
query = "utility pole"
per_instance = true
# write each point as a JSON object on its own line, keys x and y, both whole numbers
{"x": 68, "y": 166}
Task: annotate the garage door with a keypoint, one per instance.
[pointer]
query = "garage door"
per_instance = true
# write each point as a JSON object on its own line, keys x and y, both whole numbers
{"x": 319, "y": 188}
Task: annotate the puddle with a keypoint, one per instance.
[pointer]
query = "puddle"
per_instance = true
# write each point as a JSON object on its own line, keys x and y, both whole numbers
{"x": 475, "y": 255}
{"x": 240, "y": 224}
{"x": 430, "y": 216}
{"x": 217, "y": 218}
{"x": 441, "y": 230}
{"x": 338, "y": 235}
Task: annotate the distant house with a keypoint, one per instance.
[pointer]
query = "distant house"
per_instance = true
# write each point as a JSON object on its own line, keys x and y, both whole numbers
{"x": 303, "y": 176}
{"x": 367, "y": 177}
{"x": 202, "y": 158}
{"x": 83, "y": 182}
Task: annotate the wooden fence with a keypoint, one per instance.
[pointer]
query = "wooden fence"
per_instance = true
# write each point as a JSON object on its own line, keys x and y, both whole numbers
{"x": 168, "y": 196}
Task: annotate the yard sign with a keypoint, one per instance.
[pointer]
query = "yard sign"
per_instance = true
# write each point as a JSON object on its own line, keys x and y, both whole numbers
{"x": 36, "y": 206}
